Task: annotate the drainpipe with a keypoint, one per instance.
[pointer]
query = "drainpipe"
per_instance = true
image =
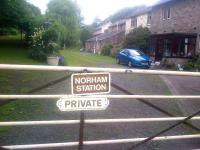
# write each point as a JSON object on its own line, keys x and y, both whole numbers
{"x": 96, "y": 45}
{"x": 198, "y": 42}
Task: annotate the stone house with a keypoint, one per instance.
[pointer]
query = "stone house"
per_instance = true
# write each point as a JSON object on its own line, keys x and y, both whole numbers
{"x": 114, "y": 33}
{"x": 102, "y": 29}
{"x": 175, "y": 27}
{"x": 107, "y": 34}
{"x": 95, "y": 44}
{"x": 139, "y": 18}
{"x": 117, "y": 26}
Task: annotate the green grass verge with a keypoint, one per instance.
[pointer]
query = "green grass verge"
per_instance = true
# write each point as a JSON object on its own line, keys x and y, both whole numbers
{"x": 76, "y": 58}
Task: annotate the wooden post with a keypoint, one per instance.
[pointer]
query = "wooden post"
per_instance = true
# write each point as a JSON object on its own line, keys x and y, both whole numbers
{"x": 81, "y": 130}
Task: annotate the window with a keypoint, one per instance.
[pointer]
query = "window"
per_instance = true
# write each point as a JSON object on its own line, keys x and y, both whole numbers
{"x": 186, "y": 47}
{"x": 136, "y": 53}
{"x": 125, "y": 51}
{"x": 166, "y": 13}
{"x": 149, "y": 19}
{"x": 167, "y": 47}
{"x": 134, "y": 22}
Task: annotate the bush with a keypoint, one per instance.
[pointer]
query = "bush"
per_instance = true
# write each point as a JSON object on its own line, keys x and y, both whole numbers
{"x": 41, "y": 48}
{"x": 106, "y": 50}
{"x": 138, "y": 39}
{"x": 193, "y": 64}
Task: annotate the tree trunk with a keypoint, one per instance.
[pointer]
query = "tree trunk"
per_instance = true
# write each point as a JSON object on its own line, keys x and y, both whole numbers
{"x": 21, "y": 35}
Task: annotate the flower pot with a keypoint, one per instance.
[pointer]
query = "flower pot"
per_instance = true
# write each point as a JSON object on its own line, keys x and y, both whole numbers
{"x": 53, "y": 61}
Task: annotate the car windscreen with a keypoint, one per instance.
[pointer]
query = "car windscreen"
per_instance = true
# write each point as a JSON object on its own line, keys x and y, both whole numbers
{"x": 136, "y": 53}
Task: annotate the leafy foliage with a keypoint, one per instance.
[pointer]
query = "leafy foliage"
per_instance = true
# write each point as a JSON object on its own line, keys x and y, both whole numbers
{"x": 14, "y": 12}
{"x": 66, "y": 13}
{"x": 42, "y": 45}
{"x": 86, "y": 33}
{"x": 138, "y": 39}
{"x": 193, "y": 64}
{"x": 96, "y": 22}
{"x": 106, "y": 50}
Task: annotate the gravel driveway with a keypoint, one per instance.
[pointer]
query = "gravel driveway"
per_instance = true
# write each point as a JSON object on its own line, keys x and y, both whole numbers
{"x": 122, "y": 108}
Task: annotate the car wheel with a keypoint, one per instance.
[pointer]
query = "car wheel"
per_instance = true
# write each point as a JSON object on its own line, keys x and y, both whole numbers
{"x": 130, "y": 64}
{"x": 118, "y": 61}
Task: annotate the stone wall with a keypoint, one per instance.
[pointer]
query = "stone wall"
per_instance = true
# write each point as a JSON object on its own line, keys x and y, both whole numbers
{"x": 185, "y": 17}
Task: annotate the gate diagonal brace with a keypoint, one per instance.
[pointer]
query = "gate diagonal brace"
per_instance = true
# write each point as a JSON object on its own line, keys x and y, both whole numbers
{"x": 153, "y": 106}
{"x": 163, "y": 131}
{"x": 51, "y": 83}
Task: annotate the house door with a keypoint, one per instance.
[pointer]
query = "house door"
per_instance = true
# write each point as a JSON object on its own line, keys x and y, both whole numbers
{"x": 159, "y": 49}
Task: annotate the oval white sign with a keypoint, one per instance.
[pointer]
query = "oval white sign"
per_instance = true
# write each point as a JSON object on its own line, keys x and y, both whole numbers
{"x": 81, "y": 103}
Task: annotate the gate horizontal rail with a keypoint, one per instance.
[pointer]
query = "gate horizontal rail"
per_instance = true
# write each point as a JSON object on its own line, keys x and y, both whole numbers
{"x": 94, "y": 69}
{"x": 99, "y": 121}
{"x": 101, "y": 142}
{"x": 196, "y": 97}
{"x": 93, "y": 121}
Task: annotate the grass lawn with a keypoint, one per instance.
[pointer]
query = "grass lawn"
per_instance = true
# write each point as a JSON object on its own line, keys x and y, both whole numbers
{"x": 76, "y": 58}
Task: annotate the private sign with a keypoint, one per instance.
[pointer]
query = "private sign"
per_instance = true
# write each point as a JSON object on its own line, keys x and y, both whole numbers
{"x": 81, "y": 103}
{"x": 90, "y": 83}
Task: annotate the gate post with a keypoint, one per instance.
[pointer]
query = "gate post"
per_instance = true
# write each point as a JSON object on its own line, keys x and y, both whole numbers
{"x": 81, "y": 130}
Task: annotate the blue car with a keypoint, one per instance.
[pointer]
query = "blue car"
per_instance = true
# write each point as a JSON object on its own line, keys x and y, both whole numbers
{"x": 133, "y": 57}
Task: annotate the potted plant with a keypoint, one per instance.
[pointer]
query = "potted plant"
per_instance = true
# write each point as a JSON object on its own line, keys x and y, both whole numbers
{"x": 53, "y": 54}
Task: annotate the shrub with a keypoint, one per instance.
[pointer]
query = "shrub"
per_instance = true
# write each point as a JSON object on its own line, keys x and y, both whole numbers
{"x": 41, "y": 47}
{"x": 193, "y": 64}
{"x": 138, "y": 39}
{"x": 106, "y": 50}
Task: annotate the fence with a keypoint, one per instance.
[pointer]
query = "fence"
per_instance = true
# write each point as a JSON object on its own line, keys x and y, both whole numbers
{"x": 82, "y": 122}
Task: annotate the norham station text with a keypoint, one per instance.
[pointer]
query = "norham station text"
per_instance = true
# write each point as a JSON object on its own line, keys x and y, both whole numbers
{"x": 86, "y": 84}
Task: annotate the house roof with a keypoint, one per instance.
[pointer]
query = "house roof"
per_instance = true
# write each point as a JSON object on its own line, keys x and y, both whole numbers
{"x": 175, "y": 33}
{"x": 118, "y": 22}
{"x": 103, "y": 36}
{"x": 161, "y": 2}
{"x": 139, "y": 11}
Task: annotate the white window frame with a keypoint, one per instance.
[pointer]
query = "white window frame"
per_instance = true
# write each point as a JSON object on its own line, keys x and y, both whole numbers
{"x": 166, "y": 13}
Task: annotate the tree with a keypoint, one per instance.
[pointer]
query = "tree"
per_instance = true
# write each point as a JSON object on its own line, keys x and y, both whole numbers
{"x": 67, "y": 13}
{"x": 13, "y": 12}
{"x": 138, "y": 38}
{"x": 86, "y": 33}
{"x": 96, "y": 22}
{"x": 17, "y": 14}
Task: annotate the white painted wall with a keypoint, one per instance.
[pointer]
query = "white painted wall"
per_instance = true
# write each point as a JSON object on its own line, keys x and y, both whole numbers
{"x": 105, "y": 26}
{"x": 141, "y": 21}
{"x": 128, "y": 25}
{"x": 102, "y": 28}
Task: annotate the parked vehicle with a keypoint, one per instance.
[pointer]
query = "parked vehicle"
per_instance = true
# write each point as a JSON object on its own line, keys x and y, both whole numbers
{"x": 133, "y": 57}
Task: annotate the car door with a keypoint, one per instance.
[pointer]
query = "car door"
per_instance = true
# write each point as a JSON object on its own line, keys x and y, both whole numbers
{"x": 124, "y": 56}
